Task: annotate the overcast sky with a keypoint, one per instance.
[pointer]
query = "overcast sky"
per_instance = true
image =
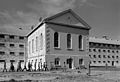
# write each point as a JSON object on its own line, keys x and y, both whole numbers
{"x": 102, "y": 15}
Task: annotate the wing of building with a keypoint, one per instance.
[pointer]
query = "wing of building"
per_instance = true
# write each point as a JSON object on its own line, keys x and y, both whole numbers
{"x": 62, "y": 39}
{"x": 104, "y": 51}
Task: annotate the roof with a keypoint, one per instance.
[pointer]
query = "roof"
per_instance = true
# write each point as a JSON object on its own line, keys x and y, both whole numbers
{"x": 14, "y": 31}
{"x": 47, "y": 20}
{"x": 68, "y": 11}
{"x": 104, "y": 40}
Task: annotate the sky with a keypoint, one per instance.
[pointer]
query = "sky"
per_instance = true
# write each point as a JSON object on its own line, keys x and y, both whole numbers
{"x": 102, "y": 15}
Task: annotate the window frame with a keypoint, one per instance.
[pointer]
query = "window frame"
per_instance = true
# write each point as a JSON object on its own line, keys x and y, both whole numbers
{"x": 58, "y": 40}
{"x": 69, "y": 45}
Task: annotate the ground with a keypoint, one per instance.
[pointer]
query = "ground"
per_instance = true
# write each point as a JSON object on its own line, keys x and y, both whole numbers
{"x": 60, "y": 76}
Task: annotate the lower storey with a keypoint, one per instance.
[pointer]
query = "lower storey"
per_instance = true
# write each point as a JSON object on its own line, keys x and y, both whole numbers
{"x": 67, "y": 61}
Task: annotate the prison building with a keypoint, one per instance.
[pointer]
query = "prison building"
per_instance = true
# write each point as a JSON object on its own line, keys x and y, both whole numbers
{"x": 104, "y": 51}
{"x": 13, "y": 47}
{"x": 60, "y": 39}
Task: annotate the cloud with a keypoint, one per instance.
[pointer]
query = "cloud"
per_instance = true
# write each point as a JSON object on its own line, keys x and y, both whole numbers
{"x": 50, "y": 7}
{"x": 39, "y": 8}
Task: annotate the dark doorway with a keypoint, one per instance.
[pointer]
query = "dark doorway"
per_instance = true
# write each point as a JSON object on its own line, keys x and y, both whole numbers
{"x": 80, "y": 61}
{"x": 69, "y": 62}
{"x": 112, "y": 63}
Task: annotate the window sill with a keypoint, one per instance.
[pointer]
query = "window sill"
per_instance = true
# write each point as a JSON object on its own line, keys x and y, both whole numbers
{"x": 69, "y": 49}
{"x": 57, "y": 48}
{"x": 81, "y": 50}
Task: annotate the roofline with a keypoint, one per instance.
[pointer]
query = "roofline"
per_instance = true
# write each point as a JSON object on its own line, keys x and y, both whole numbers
{"x": 72, "y": 26}
{"x": 69, "y": 10}
{"x": 35, "y": 29}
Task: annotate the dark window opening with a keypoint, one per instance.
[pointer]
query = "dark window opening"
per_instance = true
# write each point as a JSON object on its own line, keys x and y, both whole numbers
{"x": 11, "y": 37}
{"x": 57, "y": 61}
{"x": 2, "y": 36}
{"x": 21, "y": 46}
{"x": 56, "y": 39}
{"x": 21, "y": 37}
{"x": 69, "y": 41}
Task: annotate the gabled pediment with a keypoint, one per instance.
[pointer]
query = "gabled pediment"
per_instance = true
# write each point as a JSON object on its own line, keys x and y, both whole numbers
{"x": 67, "y": 17}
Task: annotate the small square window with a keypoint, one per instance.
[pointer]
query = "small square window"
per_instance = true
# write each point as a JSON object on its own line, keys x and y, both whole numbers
{"x": 12, "y": 45}
{"x": 11, "y": 37}
{"x": 2, "y": 36}
{"x": 2, "y": 53}
{"x": 21, "y": 37}
{"x": 12, "y": 53}
{"x": 21, "y": 46}
{"x": 2, "y": 45}
{"x": 21, "y": 53}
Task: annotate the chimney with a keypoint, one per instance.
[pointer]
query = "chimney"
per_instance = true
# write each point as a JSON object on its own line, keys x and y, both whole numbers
{"x": 32, "y": 27}
{"x": 105, "y": 37}
{"x": 40, "y": 19}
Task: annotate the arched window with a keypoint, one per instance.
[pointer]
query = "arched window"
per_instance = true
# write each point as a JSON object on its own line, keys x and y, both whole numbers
{"x": 36, "y": 43}
{"x": 32, "y": 45}
{"x": 57, "y": 61}
{"x": 69, "y": 41}
{"x": 56, "y": 39}
{"x": 41, "y": 41}
{"x": 80, "y": 42}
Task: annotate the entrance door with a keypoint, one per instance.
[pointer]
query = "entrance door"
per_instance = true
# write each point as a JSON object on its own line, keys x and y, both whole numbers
{"x": 112, "y": 63}
{"x": 69, "y": 62}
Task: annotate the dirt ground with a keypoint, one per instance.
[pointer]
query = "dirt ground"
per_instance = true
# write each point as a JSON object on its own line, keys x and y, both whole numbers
{"x": 60, "y": 76}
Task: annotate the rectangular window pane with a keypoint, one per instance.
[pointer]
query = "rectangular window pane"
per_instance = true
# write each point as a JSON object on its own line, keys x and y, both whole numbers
{"x": 32, "y": 45}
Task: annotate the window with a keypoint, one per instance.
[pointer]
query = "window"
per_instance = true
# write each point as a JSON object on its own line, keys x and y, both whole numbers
{"x": 57, "y": 61}
{"x": 103, "y": 61}
{"x": 56, "y": 39}
{"x": 21, "y": 46}
{"x": 12, "y": 53}
{"x": 104, "y": 50}
{"x": 99, "y": 50}
{"x": 2, "y": 36}
{"x": 21, "y": 37}
{"x": 94, "y": 50}
{"x": 90, "y": 56}
{"x": 113, "y": 57}
{"x": 89, "y": 50}
{"x": 36, "y": 43}
{"x": 2, "y": 45}
{"x": 108, "y": 56}
{"x": 99, "y": 56}
{"x": 11, "y": 37}
{"x": 41, "y": 41}
{"x": 117, "y": 51}
{"x": 80, "y": 42}
{"x": 12, "y": 45}
{"x": 117, "y": 57}
{"x": 109, "y": 51}
{"x": 113, "y": 51}
{"x": 21, "y": 53}
{"x": 99, "y": 61}
{"x": 108, "y": 61}
{"x": 32, "y": 45}
{"x": 2, "y": 52}
{"x": 29, "y": 47}
{"x": 104, "y": 56}
{"x": 94, "y": 61}
{"x": 117, "y": 62}
{"x": 69, "y": 41}
{"x": 94, "y": 56}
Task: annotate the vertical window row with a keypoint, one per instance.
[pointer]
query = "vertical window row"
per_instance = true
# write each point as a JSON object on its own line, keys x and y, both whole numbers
{"x": 69, "y": 41}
